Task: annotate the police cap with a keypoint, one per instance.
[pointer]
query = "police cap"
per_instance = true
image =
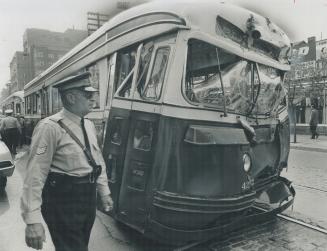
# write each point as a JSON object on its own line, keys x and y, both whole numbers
{"x": 9, "y": 111}
{"x": 79, "y": 81}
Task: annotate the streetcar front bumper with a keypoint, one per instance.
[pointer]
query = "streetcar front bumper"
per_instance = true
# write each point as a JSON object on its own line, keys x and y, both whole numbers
{"x": 205, "y": 223}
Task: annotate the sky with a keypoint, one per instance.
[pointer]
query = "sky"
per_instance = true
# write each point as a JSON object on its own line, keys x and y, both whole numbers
{"x": 299, "y": 18}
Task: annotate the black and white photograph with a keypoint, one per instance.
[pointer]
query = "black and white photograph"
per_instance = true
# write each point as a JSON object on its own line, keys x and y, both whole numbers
{"x": 166, "y": 125}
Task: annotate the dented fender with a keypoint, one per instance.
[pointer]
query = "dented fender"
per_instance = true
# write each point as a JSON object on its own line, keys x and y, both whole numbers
{"x": 278, "y": 194}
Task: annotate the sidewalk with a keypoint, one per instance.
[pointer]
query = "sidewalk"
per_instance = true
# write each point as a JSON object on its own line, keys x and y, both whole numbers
{"x": 304, "y": 142}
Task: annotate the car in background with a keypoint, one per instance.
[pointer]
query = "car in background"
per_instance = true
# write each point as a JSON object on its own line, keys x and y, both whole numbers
{"x": 7, "y": 165}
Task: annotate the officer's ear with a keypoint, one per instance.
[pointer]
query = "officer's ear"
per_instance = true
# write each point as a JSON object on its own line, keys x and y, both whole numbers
{"x": 68, "y": 97}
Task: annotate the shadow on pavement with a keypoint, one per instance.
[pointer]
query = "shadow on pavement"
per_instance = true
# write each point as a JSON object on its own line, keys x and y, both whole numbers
{"x": 4, "y": 202}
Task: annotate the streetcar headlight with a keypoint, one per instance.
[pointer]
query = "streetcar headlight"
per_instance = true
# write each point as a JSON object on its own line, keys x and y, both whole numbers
{"x": 246, "y": 162}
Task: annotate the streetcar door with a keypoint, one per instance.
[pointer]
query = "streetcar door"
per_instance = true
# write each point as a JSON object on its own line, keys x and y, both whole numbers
{"x": 121, "y": 71}
{"x": 137, "y": 168}
{"x": 114, "y": 150}
{"x": 134, "y": 198}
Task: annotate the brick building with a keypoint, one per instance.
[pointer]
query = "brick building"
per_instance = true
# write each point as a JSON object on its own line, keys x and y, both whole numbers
{"x": 19, "y": 71}
{"x": 41, "y": 49}
{"x": 307, "y": 79}
{"x": 45, "y": 47}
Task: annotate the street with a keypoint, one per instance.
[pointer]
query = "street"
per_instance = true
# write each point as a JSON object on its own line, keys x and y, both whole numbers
{"x": 306, "y": 170}
{"x": 12, "y": 227}
{"x": 106, "y": 233}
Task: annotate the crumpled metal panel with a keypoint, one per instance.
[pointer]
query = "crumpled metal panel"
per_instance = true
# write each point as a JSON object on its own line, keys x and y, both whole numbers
{"x": 210, "y": 135}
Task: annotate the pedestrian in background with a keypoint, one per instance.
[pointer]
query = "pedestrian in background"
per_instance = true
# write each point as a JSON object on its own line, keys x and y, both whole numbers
{"x": 10, "y": 131}
{"x": 62, "y": 178}
{"x": 314, "y": 120}
{"x": 21, "y": 121}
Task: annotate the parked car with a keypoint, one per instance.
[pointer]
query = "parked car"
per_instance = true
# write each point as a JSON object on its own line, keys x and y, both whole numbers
{"x": 7, "y": 166}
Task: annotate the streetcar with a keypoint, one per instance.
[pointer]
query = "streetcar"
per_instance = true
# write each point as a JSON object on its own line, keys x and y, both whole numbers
{"x": 15, "y": 101}
{"x": 191, "y": 115}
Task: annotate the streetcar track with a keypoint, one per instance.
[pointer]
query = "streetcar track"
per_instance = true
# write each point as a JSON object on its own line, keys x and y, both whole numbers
{"x": 299, "y": 222}
{"x": 311, "y": 188}
{"x": 281, "y": 216}
{"x": 296, "y": 221}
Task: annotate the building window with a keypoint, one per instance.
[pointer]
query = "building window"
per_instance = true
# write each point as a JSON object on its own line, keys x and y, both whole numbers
{"x": 39, "y": 54}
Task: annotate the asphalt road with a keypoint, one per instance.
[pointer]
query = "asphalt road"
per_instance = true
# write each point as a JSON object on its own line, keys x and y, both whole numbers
{"x": 308, "y": 172}
{"x": 106, "y": 234}
{"x": 12, "y": 227}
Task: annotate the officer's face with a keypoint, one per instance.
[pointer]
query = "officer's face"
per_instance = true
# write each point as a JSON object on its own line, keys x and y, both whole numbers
{"x": 83, "y": 102}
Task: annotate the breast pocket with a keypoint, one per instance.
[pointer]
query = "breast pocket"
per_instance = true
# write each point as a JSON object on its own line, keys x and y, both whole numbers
{"x": 71, "y": 153}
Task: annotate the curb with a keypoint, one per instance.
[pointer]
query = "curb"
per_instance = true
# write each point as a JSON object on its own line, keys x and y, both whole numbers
{"x": 312, "y": 149}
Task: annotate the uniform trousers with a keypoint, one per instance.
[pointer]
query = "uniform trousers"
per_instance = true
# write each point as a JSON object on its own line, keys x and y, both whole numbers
{"x": 69, "y": 210}
{"x": 11, "y": 137}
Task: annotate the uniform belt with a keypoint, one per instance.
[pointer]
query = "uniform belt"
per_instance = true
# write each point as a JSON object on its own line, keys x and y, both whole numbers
{"x": 64, "y": 178}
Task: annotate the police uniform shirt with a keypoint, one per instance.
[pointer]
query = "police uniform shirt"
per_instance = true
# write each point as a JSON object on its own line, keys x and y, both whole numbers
{"x": 53, "y": 149}
{"x": 8, "y": 123}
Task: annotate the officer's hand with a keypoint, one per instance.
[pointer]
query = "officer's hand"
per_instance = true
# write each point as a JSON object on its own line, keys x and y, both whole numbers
{"x": 35, "y": 235}
{"x": 107, "y": 203}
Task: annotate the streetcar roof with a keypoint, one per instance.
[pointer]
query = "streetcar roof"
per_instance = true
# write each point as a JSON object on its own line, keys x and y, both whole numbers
{"x": 193, "y": 14}
{"x": 18, "y": 94}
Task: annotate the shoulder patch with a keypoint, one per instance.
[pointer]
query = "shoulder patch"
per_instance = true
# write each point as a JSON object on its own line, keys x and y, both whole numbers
{"x": 41, "y": 150}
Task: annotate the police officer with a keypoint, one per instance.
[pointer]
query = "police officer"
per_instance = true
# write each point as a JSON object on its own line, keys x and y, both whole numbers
{"x": 10, "y": 130}
{"x": 61, "y": 180}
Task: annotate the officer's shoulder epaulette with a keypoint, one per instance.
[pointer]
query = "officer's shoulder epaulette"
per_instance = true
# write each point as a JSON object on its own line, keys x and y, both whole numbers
{"x": 55, "y": 117}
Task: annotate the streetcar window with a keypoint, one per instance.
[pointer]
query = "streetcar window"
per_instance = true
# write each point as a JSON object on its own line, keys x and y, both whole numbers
{"x": 45, "y": 102}
{"x": 56, "y": 101}
{"x": 216, "y": 78}
{"x": 203, "y": 85}
{"x": 145, "y": 57}
{"x": 28, "y": 105}
{"x": 94, "y": 81}
{"x": 272, "y": 93}
{"x": 18, "y": 110}
{"x": 124, "y": 71}
{"x": 143, "y": 134}
{"x": 34, "y": 103}
{"x": 153, "y": 88}
{"x": 116, "y": 136}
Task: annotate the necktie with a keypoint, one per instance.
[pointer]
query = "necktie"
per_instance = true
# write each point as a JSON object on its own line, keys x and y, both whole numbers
{"x": 86, "y": 139}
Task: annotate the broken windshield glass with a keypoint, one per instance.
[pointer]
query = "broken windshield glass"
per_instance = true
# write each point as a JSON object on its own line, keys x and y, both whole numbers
{"x": 237, "y": 86}
{"x": 216, "y": 78}
{"x": 271, "y": 92}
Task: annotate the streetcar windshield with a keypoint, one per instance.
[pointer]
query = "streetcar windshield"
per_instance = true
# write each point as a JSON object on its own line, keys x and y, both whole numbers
{"x": 272, "y": 93}
{"x": 237, "y": 87}
{"x": 221, "y": 80}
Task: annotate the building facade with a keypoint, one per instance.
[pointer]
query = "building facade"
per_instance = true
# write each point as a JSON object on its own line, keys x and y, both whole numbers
{"x": 19, "y": 71}
{"x": 45, "y": 47}
{"x": 307, "y": 80}
{"x": 41, "y": 49}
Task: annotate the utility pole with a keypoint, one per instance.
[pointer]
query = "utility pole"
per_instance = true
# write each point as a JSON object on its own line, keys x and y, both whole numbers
{"x": 294, "y": 112}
